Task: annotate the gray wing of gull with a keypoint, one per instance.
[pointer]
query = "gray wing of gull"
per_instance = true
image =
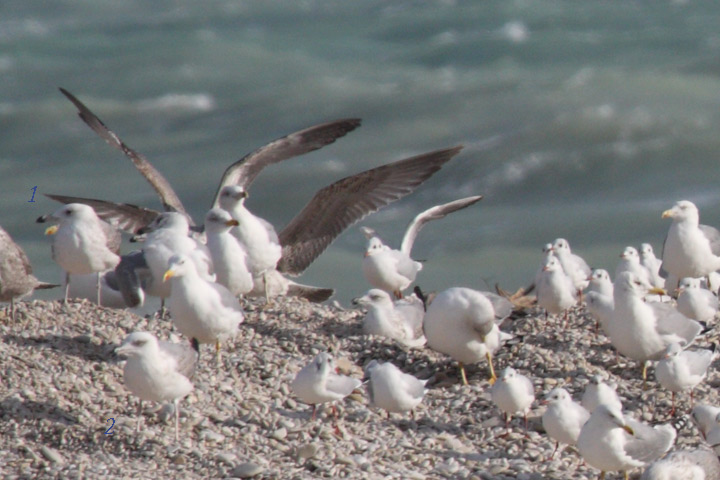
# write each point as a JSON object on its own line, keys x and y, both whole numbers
{"x": 649, "y": 443}
{"x": 698, "y": 361}
{"x": 126, "y": 216}
{"x": 132, "y": 275}
{"x": 184, "y": 355}
{"x": 683, "y": 462}
{"x": 503, "y": 307}
{"x": 244, "y": 171}
{"x": 341, "y": 204}
{"x": 434, "y": 213}
{"x": 672, "y": 322}
{"x": 342, "y": 384}
{"x": 159, "y": 183}
{"x": 713, "y": 236}
{"x": 16, "y": 278}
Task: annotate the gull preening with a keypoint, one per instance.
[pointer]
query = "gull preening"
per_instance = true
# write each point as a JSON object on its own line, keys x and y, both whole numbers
{"x": 564, "y": 418}
{"x": 401, "y": 320}
{"x": 462, "y": 323}
{"x": 82, "y": 242}
{"x": 16, "y": 277}
{"x": 393, "y": 390}
{"x": 157, "y": 371}
{"x": 394, "y": 270}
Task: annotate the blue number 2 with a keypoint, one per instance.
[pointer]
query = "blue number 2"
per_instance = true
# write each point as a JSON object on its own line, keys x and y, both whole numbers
{"x": 34, "y": 189}
{"x": 108, "y": 432}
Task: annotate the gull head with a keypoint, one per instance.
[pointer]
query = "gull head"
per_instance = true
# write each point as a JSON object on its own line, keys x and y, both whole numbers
{"x": 374, "y": 364}
{"x": 630, "y": 253}
{"x": 179, "y": 265}
{"x": 629, "y": 283}
{"x": 673, "y": 350}
{"x": 684, "y": 210}
{"x": 599, "y": 275}
{"x": 560, "y": 244}
{"x": 552, "y": 265}
{"x": 557, "y": 396}
{"x": 218, "y": 220}
{"x": 688, "y": 283}
{"x": 137, "y": 344}
{"x": 646, "y": 250}
{"x": 232, "y": 195}
{"x": 70, "y": 213}
{"x": 508, "y": 374}
{"x": 374, "y": 297}
{"x": 375, "y": 246}
{"x": 324, "y": 363}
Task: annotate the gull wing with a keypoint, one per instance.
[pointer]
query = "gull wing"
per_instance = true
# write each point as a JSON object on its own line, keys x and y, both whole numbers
{"x": 125, "y": 216}
{"x": 649, "y": 443}
{"x": 713, "y": 236}
{"x": 342, "y": 384}
{"x": 434, "y": 213}
{"x": 672, "y": 322}
{"x": 159, "y": 183}
{"x": 341, "y": 204}
{"x": 244, "y": 171}
{"x": 184, "y": 355}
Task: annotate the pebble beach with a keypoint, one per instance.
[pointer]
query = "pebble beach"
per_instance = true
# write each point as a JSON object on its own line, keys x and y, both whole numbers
{"x": 65, "y": 413}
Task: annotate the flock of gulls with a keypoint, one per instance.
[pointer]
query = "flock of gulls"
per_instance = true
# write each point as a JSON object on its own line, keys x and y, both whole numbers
{"x": 652, "y": 313}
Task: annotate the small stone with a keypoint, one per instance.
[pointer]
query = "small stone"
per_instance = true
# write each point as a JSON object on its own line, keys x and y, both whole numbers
{"x": 179, "y": 460}
{"x": 52, "y": 455}
{"x": 247, "y": 470}
{"x": 279, "y": 434}
{"x": 306, "y": 451}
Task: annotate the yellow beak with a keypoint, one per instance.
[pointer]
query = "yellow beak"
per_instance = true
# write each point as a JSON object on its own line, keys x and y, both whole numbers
{"x": 657, "y": 291}
{"x": 51, "y": 230}
{"x": 170, "y": 273}
{"x": 667, "y": 214}
{"x": 232, "y": 223}
{"x": 628, "y": 430}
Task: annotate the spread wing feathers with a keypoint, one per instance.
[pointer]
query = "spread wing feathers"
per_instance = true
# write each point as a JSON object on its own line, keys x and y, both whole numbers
{"x": 435, "y": 213}
{"x": 167, "y": 195}
{"x": 244, "y": 171}
{"x": 311, "y": 294}
{"x": 713, "y": 236}
{"x": 125, "y": 216}
{"x": 337, "y": 206}
{"x": 184, "y": 356}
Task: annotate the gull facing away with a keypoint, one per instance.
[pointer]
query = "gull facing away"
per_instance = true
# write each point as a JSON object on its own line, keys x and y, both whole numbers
{"x": 318, "y": 383}
{"x": 598, "y": 392}
{"x": 695, "y": 302}
{"x": 82, "y": 242}
{"x": 574, "y": 265}
{"x": 332, "y": 209}
{"x": 611, "y": 442}
{"x": 203, "y": 310}
{"x": 683, "y": 369}
{"x": 394, "y": 270}
{"x": 229, "y": 257}
{"x": 157, "y": 371}
{"x": 698, "y": 464}
{"x": 463, "y": 323}
{"x": 690, "y": 249}
{"x": 653, "y": 264}
{"x": 513, "y": 393}
{"x": 393, "y": 390}
{"x": 643, "y": 330}
{"x": 563, "y": 418}
{"x": 401, "y": 320}
{"x": 16, "y": 277}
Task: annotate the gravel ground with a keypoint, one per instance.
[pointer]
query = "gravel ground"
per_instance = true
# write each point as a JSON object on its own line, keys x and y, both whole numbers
{"x": 61, "y": 384}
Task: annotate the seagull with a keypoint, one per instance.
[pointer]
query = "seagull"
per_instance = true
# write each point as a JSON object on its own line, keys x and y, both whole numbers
{"x": 556, "y": 292}
{"x": 82, "y": 243}
{"x": 401, "y": 320}
{"x": 690, "y": 249}
{"x": 680, "y": 369}
{"x": 653, "y": 264}
{"x": 630, "y": 262}
{"x": 574, "y": 265}
{"x": 698, "y": 464}
{"x": 599, "y": 296}
{"x": 611, "y": 442}
{"x": 597, "y": 392}
{"x": 563, "y": 418}
{"x": 157, "y": 371}
{"x": 462, "y": 323}
{"x": 392, "y": 390}
{"x": 694, "y": 302}
{"x": 600, "y": 282}
{"x": 318, "y": 383}
{"x": 332, "y": 209}
{"x": 205, "y": 311}
{"x": 394, "y": 270}
{"x": 643, "y": 330}
{"x": 16, "y": 277}
{"x": 513, "y": 393}
{"x": 229, "y": 257}
{"x": 706, "y": 418}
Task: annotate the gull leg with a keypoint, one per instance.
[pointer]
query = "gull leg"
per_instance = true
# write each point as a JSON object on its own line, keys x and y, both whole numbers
{"x": 314, "y": 411}
{"x": 98, "y": 290}
{"x": 644, "y": 375}
{"x": 398, "y": 294}
{"x": 557, "y": 445}
{"x": 217, "y": 352}
{"x": 672, "y": 410}
{"x": 602, "y": 475}
{"x": 12, "y": 313}
{"x": 67, "y": 286}
{"x": 177, "y": 419}
{"x": 493, "y": 377}
{"x": 627, "y": 475}
{"x": 462, "y": 373}
{"x": 139, "y": 415}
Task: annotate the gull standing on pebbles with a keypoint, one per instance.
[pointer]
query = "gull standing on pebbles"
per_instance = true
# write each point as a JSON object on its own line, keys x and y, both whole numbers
{"x": 599, "y": 297}
{"x": 683, "y": 369}
{"x": 556, "y": 292}
{"x": 706, "y": 418}
{"x": 690, "y": 249}
{"x": 610, "y": 442}
{"x": 461, "y": 322}
{"x": 698, "y": 464}
{"x": 642, "y": 330}
{"x": 597, "y": 392}
{"x": 16, "y": 278}
{"x": 394, "y": 270}
{"x": 229, "y": 257}
{"x": 205, "y": 311}
{"x": 653, "y": 264}
{"x": 513, "y": 393}
{"x": 563, "y": 418}
{"x": 157, "y": 371}
{"x": 401, "y": 320}
{"x": 393, "y": 390}
{"x": 82, "y": 243}
{"x": 695, "y": 302}
{"x": 574, "y": 266}
{"x": 318, "y": 383}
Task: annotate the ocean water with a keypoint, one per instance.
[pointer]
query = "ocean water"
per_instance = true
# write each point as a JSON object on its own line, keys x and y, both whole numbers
{"x": 580, "y": 119}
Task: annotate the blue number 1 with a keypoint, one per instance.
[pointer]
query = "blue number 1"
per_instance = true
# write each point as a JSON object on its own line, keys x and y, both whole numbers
{"x": 108, "y": 432}
{"x": 34, "y": 189}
